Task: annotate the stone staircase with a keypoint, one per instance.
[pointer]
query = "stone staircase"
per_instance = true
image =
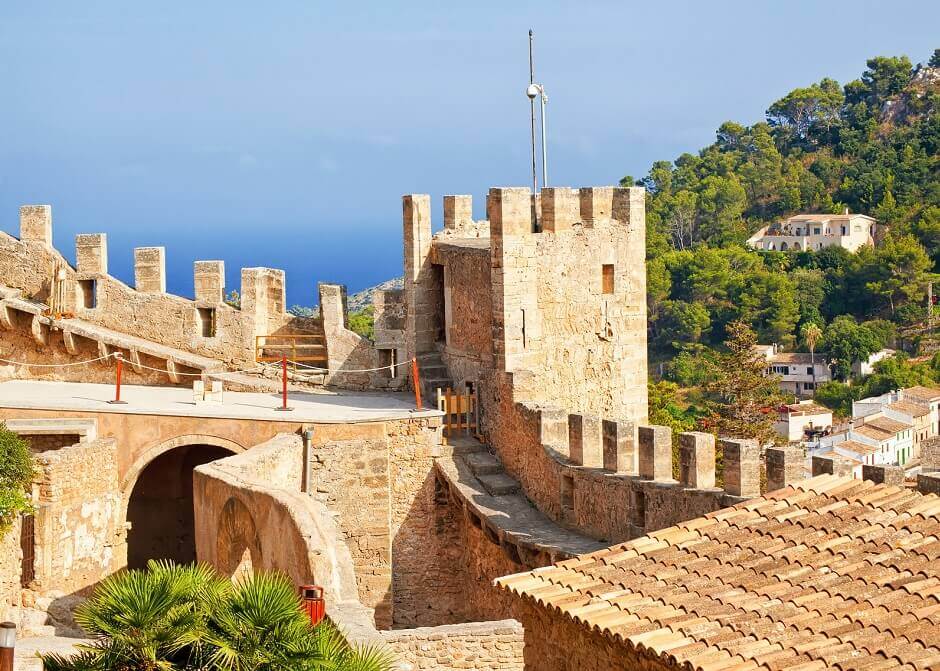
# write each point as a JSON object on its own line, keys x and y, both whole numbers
{"x": 477, "y": 479}
{"x": 434, "y": 375}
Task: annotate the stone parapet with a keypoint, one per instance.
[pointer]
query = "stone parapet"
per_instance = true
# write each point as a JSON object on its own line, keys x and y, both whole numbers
{"x": 784, "y": 466}
{"x": 150, "y": 269}
{"x": 36, "y": 224}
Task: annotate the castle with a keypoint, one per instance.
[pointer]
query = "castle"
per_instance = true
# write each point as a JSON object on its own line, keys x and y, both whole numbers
{"x": 496, "y": 547}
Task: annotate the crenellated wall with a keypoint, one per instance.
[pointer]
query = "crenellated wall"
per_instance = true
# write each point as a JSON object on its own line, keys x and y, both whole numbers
{"x": 206, "y": 326}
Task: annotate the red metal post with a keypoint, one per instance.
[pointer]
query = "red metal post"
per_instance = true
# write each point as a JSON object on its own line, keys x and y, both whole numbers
{"x": 314, "y": 603}
{"x": 284, "y": 405}
{"x": 117, "y": 382}
{"x": 7, "y": 645}
{"x": 415, "y": 376}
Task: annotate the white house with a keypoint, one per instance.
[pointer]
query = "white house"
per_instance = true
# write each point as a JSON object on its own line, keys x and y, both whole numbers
{"x": 800, "y": 373}
{"x": 867, "y": 367}
{"x": 799, "y": 421}
{"x": 873, "y": 439}
{"x": 810, "y": 232}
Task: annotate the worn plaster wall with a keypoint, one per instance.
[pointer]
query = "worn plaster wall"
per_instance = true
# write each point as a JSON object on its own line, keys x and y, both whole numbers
{"x": 80, "y": 535}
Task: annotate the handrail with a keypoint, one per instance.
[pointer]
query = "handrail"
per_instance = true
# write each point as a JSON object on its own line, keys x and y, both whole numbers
{"x": 290, "y": 342}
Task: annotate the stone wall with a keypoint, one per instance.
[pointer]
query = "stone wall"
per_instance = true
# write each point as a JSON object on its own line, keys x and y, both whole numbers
{"x": 553, "y": 642}
{"x": 251, "y": 516}
{"x": 10, "y": 563}
{"x": 206, "y": 326}
{"x": 469, "y": 308}
{"x": 484, "y": 646}
{"x": 569, "y": 303}
{"x": 53, "y": 441}
{"x": 80, "y": 535}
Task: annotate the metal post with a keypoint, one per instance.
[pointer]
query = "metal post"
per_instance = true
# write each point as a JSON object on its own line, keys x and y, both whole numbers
{"x": 7, "y": 645}
{"x": 544, "y": 143}
{"x": 416, "y": 378}
{"x": 307, "y": 436}
{"x": 284, "y": 406}
{"x": 535, "y": 181}
{"x": 117, "y": 382}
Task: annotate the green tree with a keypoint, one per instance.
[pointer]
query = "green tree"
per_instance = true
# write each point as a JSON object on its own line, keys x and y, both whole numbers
{"x": 168, "y": 617}
{"x": 16, "y": 475}
{"x": 742, "y": 398}
{"x": 896, "y": 372}
{"x": 901, "y": 268}
{"x": 363, "y": 322}
{"x": 847, "y": 342}
{"x": 934, "y": 61}
{"x": 683, "y": 323}
{"x": 837, "y": 396}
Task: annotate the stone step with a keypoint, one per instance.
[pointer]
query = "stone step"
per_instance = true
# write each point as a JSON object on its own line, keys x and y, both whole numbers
{"x": 499, "y": 484}
{"x": 483, "y": 463}
{"x": 464, "y": 445}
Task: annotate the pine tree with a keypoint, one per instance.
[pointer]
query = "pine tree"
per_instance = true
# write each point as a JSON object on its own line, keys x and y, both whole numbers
{"x": 743, "y": 398}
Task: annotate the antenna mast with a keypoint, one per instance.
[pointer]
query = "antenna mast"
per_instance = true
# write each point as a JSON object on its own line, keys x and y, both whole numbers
{"x": 535, "y": 179}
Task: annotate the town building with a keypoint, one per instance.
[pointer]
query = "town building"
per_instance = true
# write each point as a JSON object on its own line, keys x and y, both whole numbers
{"x": 812, "y": 232}
{"x": 867, "y": 367}
{"x": 803, "y": 421}
{"x": 918, "y": 407}
{"x": 799, "y": 372}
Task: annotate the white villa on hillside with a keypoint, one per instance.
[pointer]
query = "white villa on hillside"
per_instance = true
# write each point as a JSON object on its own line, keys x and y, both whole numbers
{"x": 810, "y": 232}
{"x": 800, "y": 373}
{"x": 804, "y": 420}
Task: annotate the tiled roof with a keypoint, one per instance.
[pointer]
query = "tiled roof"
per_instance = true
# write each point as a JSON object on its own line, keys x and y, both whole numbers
{"x": 807, "y": 409}
{"x": 833, "y": 573}
{"x": 857, "y": 447}
{"x": 923, "y": 393}
{"x": 793, "y": 357}
{"x": 887, "y": 424}
{"x": 833, "y": 453}
{"x": 908, "y": 408}
{"x": 873, "y": 432}
{"x": 826, "y": 217}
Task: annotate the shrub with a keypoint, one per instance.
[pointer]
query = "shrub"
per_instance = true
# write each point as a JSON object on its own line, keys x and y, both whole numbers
{"x": 16, "y": 474}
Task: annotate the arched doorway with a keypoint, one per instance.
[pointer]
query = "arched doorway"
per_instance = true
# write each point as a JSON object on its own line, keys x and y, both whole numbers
{"x": 160, "y": 507}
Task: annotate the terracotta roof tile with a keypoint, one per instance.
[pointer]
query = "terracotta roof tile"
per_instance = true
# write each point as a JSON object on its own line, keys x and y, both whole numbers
{"x": 832, "y": 573}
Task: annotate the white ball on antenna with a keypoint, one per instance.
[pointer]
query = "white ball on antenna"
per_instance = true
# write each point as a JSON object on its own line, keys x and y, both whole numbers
{"x": 532, "y": 91}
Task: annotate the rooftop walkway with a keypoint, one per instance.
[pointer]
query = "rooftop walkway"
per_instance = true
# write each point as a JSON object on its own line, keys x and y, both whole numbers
{"x": 320, "y": 407}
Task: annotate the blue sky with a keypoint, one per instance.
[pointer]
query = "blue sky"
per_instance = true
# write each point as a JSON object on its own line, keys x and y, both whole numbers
{"x": 284, "y": 133}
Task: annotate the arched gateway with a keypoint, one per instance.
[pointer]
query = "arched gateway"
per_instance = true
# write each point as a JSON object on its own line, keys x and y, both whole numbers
{"x": 160, "y": 505}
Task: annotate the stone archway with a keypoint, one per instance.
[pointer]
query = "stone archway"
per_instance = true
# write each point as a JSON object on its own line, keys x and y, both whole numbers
{"x": 238, "y": 548}
{"x": 160, "y": 504}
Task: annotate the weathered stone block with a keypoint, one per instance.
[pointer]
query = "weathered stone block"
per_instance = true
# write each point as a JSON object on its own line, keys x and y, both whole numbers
{"x": 91, "y": 253}
{"x": 36, "y": 223}
{"x": 561, "y": 208}
{"x": 209, "y": 281}
{"x": 510, "y": 212}
{"x": 150, "y": 269}
{"x": 928, "y": 483}
{"x": 553, "y": 428}
{"x": 883, "y": 474}
{"x": 585, "y": 440}
{"x": 930, "y": 455}
{"x": 831, "y": 465}
{"x": 619, "y": 446}
{"x": 697, "y": 459}
{"x": 741, "y": 458}
{"x": 596, "y": 203}
{"x": 333, "y": 306}
{"x": 784, "y": 466}
{"x": 655, "y": 457}
{"x": 458, "y": 212}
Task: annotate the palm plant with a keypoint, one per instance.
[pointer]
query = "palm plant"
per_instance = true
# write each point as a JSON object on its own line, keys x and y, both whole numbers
{"x": 189, "y": 618}
{"x": 811, "y": 335}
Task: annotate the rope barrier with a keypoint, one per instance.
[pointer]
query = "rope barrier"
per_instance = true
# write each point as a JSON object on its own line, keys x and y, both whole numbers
{"x": 360, "y": 370}
{"x": 55, "y": 365}
{"x": 255, "y": 369}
